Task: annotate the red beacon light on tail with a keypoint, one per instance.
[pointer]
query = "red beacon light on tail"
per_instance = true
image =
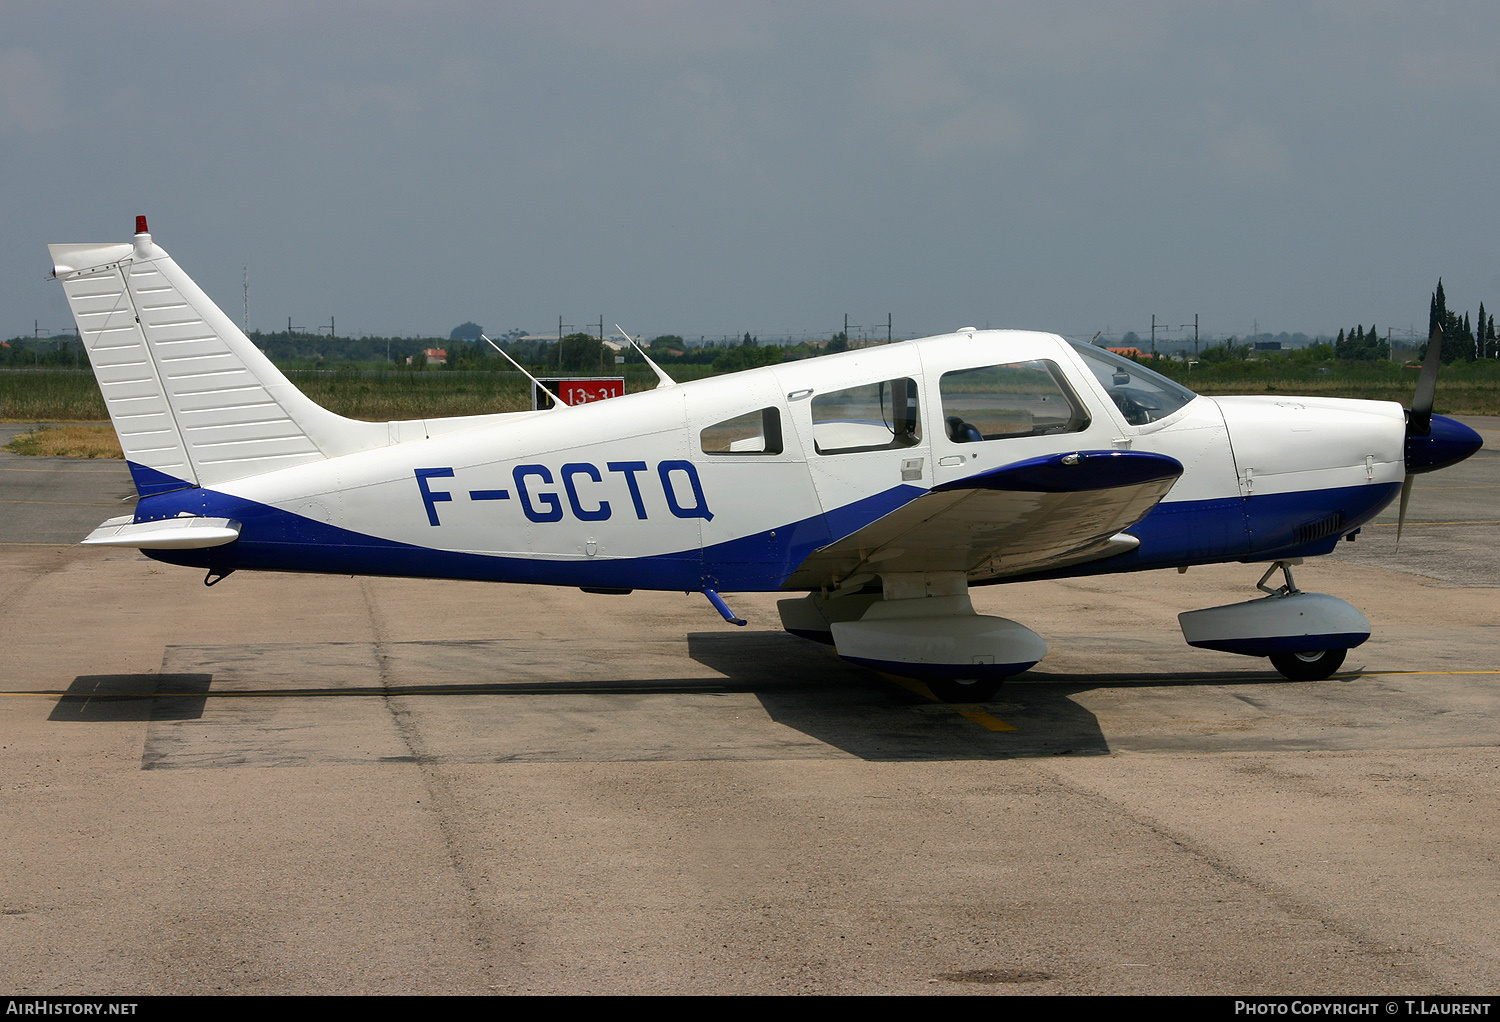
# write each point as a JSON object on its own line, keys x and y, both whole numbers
{"x": 140, "y": 225}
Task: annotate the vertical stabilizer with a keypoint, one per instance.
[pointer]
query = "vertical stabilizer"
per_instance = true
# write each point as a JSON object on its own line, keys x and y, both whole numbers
{"x": 193, "y": 401}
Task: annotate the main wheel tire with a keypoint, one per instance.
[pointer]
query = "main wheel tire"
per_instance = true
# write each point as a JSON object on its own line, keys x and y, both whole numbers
{"x": 964, "y": 690}
{"x": 1309, "y": 666}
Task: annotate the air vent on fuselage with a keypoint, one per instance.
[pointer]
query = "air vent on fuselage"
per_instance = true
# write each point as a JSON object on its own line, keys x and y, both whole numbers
{"x": 1321, "y": 528}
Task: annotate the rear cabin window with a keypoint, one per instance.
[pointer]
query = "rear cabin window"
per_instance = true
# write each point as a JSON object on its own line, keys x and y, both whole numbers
{"x": 757, "y": 432}
{"x": 875, "y": 417}
{"x": 1012, "y": 400}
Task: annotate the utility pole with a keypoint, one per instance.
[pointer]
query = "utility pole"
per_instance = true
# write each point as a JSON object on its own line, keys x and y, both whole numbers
{"x": 1184, "y": 326}
{"x": 560, "y": 327}
{"x": 1153, "y": 335}
{"x": 888, "y": 328}
{"x": 247, "y": 298}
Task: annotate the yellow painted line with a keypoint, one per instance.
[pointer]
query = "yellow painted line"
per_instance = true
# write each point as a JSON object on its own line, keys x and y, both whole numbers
{"x": 979, "y": 716}
{"x": 67, "y": 543}
{"x": 362, "y": 692}
{"x": 1370, "y": 673}
{"x": 986, "y": 719}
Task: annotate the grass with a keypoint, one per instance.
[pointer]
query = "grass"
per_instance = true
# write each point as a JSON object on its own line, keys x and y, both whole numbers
{"x": 379, "y": 396}
{"x": 1471, "y": 388}
{"x": 72, "y": 441}
{"x": 383, "y": 396}
{"x": 73, "y": 396}
{"x": 1454, "y": 396}
{"x": 62, "y": 395}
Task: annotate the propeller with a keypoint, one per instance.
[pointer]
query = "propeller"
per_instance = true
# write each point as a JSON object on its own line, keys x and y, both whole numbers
{"x": 1432, "y": 441}
{"x": 1419, "y": 417}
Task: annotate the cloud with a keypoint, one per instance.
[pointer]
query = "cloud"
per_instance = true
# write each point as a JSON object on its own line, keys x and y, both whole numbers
{"x": 1252, "y": 153}
{"x": 28, "y": 100}
{"x": 923, "y": 105}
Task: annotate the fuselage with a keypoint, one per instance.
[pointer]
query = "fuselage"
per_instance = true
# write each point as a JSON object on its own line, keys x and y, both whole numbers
{"x": 730, "y": 483}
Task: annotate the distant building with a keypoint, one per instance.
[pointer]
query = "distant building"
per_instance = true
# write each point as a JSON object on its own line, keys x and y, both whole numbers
{"x": 1267, "y": 345}
{"x": 435, "y": 356}
{"x": 1129, "y": 352}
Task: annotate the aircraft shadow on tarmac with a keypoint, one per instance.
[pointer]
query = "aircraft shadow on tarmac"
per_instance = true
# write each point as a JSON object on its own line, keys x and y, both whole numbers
{"x": 97, "y": 698}
{"x": 833, "y": 707}
{"x": 805, "y": 686}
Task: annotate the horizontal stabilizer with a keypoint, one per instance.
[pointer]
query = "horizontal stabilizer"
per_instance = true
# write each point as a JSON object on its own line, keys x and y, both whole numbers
{"x": 185, "y": 533}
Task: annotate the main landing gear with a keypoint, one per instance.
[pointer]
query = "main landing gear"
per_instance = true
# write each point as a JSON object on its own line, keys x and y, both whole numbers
{"x": 1306, "y": 635}
{"x": 920, "y": 626}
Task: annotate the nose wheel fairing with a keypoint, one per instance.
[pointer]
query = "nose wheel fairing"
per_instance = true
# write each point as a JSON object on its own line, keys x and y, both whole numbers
{"x": 1273, "y": 625}
{"x": 1306, "y": 635}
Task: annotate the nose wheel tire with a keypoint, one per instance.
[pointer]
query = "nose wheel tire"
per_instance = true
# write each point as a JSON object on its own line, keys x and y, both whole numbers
{"x": 1309, "y": 666}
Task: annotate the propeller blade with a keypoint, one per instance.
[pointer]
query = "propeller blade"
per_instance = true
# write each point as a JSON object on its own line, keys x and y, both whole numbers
{"x": 1420, "y": 420}
{"x": 1406, "y": 485}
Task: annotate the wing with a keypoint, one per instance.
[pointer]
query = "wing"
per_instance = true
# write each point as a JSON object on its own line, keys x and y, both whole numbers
{"x": 1035, "y": 514}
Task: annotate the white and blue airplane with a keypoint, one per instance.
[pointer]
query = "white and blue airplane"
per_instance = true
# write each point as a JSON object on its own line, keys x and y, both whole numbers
{"x": 875, "y": 486}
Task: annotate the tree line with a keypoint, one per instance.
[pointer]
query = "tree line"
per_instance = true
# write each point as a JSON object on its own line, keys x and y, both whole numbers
{"x": 584, "y": 353}
{"x": 1461, "y": 340}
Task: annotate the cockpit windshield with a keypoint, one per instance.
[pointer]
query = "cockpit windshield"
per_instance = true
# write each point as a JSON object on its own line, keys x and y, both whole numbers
{"x": 1141, "y": 395}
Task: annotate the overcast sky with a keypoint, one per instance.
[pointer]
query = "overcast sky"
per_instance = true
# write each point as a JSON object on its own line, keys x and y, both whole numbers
{"x": 713, "y": 168}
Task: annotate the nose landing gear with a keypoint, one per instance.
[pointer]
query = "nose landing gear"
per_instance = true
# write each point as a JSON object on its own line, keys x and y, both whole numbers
{"x": 1306, "y": 635}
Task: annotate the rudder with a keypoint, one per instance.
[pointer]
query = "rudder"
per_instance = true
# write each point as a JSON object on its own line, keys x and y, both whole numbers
{"x": 193, "y": 401}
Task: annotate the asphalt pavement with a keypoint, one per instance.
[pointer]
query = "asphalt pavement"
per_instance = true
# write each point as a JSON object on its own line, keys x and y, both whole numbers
{"x": 298, "y": 784}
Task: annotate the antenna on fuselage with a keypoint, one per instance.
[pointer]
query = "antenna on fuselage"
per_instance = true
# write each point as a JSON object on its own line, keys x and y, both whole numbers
{"x": 662, "y": 379}
{"x": 557, "y": 402}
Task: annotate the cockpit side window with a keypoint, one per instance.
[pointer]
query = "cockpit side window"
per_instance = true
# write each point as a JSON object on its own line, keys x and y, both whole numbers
{"x": 1011, "y": 400}
{"x": 1142, "y": 396}
{"x": 757, "y": 432}
{"x": 876, "y": 417}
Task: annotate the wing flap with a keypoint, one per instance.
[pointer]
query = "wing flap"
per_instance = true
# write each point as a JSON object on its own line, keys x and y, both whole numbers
{"x": 1032, "y": 515}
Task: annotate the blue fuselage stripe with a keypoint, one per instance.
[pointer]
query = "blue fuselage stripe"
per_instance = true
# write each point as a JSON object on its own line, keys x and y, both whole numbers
{"x": 1182, "y": 532}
